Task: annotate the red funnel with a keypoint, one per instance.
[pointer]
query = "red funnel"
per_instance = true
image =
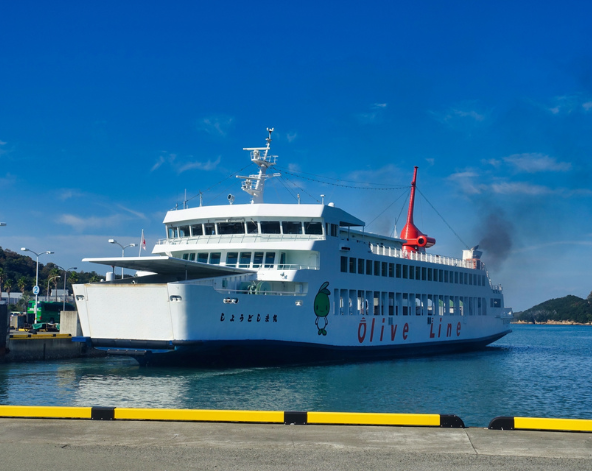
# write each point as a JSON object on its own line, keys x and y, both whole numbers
{"x": 416, "y": 241}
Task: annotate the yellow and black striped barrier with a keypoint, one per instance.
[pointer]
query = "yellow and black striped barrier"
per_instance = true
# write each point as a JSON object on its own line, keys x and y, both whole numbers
{"x": 538, "y": 423}
{"x": 39, "y": 336}
{"x": 244, "y": 416}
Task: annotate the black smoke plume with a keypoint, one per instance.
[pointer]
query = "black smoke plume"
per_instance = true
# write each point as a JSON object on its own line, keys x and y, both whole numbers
{"x": 496, "y": 239}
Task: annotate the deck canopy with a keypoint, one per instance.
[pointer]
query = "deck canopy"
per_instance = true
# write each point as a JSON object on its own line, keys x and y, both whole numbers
{"x": 265, "y": 211}
{"x": 164, "y": 265}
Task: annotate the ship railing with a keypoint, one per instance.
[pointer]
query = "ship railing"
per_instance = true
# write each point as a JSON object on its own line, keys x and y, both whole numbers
{"x": 496, "y": 288}
{"x": 423, "y": 257}
{"x": 260, "y": 293}
{"x": 239, "y": 239}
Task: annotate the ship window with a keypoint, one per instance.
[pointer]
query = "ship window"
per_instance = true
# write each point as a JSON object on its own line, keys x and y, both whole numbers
{"x": 315, "y": 228}
{"x": 441, "y": 275}
{"x": 252, "y": 227}
{"x": 445, "y": 276}
{"x": 398, "y": 270}
{"x": 466, "y": 276}
{"x": 209, "y": 229}
{"x": 270, "y": 227}
{"x": 496, "y": 302}
{"x": 405, "y": 271}
{"x": 172, "y": 232}
{"x": 391, "y": 304}
{"x": 291, "y": 227}
{"x": 269, "y": 258}
{"x": 368, "y": 267}
{"x": 376, "y": 268}
{"x": 231, "y": 259}
{"x": 231, "y": 228}
{"x": 334, "y": 230}
{"x": 352, "y": 265}
{"x": 430, "y": 270}
{"x": 456, "y": 277}
{"x": 344, "y": 264}
{"x": 245, "y": 260}
{"x": 183, "y": 231}
{"x": 360, "y": 266}
{"x": 282, "y": 260}
{"x": 192, "y": 256}
{"x": 258, "y": 259}
{"x": 185, "y": 256}
{"x": 411, "y": 272}
{"x": 424, "y": 273}
{"x": 202, "y": 257}
{"x": 391, "y": 270}
{"x": 196, "y": 230}
{"x": 384, "y": 269}
{"x": 215, "y": 258}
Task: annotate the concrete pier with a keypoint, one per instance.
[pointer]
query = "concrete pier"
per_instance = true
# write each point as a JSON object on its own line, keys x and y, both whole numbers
{"x": 53, "y": 444}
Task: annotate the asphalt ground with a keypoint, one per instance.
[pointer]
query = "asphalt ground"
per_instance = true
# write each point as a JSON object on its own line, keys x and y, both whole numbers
{"x": 89, "y": 445}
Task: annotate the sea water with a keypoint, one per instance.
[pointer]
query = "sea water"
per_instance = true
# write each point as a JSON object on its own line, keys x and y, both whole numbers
{"x": 536, "y": 371}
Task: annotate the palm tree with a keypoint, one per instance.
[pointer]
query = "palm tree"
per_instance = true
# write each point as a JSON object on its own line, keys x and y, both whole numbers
{"x": 95, "y": 279}
{"x": 8, "y": 288}
{"x": 54, "y": 273}
{"x": 2, "y": 275}
{"x": 73, "y": 278}
{"x": 22, "y": 284}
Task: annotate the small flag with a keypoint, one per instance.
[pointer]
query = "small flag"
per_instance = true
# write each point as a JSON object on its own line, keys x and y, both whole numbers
{"x": 142, "y": 243}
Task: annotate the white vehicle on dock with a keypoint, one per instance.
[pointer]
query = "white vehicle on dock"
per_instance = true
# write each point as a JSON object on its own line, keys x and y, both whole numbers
{"x": 286, "y": 283}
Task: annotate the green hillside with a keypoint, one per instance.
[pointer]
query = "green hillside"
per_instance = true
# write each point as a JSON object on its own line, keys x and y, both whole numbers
{"x": 17, "y": 274}
{"x": 569, "y": 308}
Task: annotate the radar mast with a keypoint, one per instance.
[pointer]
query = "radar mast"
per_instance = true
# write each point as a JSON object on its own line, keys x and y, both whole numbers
{"x": 255, "y": 184}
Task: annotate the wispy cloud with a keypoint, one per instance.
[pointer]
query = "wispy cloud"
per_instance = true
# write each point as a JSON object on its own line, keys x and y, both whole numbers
{"x": 567, "y": 104}
{"x": 180, "y": 165}
{"x": 3, "y": 150}
{"x": 461, "y": 115}
{"x": 80, "y": 224}
{"x": 67, "y": 193}
{"x": 216, "y": 125}
{"x": 520, "y": 188}
{"x": 131, "y": 211}
{"x": 496, "y": 163}
{"x": 161, "y": 160}
{"x": 208, "y": 165}
{"x": 467, "y": 181}
{"x": 291, "y": 136}
{"x": 373, "y": 116}
{"x": 534, "y": 162}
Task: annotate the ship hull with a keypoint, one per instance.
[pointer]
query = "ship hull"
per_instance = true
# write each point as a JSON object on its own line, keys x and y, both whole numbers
{"x": 243, "y": 353}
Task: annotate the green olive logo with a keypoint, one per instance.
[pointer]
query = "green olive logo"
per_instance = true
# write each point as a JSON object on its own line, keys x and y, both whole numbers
{"x": 322, "y": 305}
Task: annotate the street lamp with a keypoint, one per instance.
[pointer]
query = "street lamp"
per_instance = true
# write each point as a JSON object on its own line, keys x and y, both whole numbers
{"x": 49, "y": 252}
{"x": 49, "y": 281}
{"x": 113, "y": 241}
{"x": 66, "y": 270}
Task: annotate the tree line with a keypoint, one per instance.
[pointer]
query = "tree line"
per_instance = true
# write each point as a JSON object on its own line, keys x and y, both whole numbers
{"x": 569, "y": 308}
{"x": 17, "y": 274}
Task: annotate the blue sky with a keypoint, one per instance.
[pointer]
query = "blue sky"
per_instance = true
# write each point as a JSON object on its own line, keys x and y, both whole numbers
{"x": 109, "y": 111}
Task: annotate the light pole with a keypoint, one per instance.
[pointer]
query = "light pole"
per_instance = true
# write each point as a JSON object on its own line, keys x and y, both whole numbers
{"x": 49, "y": 252}
{"x": 66, "y": 270}
{"x": 49, "y": 281}
{"x": 113, "y": 241}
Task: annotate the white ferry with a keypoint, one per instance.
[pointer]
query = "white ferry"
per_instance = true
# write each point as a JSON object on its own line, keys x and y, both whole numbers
{"x": 267, "y": 283}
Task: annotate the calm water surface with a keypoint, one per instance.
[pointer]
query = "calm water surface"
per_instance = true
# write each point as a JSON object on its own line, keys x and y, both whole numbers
{"x": 541, "y": 371}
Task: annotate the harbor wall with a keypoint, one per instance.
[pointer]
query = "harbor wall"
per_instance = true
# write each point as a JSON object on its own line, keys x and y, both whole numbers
{"x": 4, "y": 319}
{"x": 44, "y": 346}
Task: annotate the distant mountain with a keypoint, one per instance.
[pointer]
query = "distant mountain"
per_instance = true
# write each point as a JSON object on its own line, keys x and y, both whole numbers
{"x": 569, "y": 308}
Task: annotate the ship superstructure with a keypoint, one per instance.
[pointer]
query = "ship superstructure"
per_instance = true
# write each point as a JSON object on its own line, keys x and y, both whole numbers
{"x": 264, "y": 283}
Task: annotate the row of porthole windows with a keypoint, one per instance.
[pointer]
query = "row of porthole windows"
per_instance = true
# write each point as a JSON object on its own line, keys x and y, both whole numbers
{"x": 412, "y": 272}
{"x": 250, "y": 227}
{"x": 359, "y": 302}
{"x": 240, "y": 259}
